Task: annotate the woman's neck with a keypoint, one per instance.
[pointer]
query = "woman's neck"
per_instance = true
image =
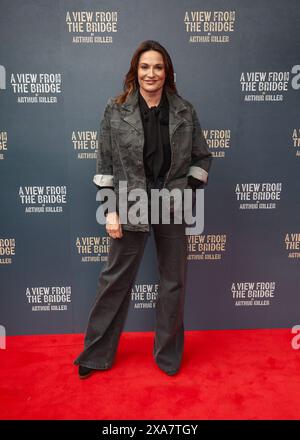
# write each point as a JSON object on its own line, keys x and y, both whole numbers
{"x": 153, "y": 98}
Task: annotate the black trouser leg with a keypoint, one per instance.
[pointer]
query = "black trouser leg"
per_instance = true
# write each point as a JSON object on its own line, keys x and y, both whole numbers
{"x": 171, "y": 245}
{"x": 108, "y": 314}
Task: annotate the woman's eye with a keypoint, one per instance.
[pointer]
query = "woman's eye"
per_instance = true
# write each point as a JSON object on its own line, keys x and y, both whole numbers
{"x": 158, "y": 67}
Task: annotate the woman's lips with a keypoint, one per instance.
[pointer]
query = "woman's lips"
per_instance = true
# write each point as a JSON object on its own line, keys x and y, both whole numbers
{"x": 150, "y": 82}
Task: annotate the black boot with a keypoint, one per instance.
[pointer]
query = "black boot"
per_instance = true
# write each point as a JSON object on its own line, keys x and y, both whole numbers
{"x": 85, "y": 372}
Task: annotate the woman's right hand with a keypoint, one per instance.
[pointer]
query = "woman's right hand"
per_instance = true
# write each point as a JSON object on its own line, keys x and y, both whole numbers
{"x": 113, "y": 225}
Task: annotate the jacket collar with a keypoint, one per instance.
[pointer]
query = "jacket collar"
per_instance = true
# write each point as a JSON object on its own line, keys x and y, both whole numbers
{"x": 131, "y": 111}
{"x": 175, "y": 102}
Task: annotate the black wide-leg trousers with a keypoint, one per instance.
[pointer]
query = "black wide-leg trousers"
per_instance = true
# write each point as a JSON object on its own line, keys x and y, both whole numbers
{"x": 115, "y": 282}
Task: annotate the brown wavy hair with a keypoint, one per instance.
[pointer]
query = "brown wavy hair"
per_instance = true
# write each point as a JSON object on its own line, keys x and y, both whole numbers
{"x": 131, "y": 84}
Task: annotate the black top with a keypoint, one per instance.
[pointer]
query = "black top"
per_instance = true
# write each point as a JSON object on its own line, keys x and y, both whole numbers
{"x": 157, "y": 149}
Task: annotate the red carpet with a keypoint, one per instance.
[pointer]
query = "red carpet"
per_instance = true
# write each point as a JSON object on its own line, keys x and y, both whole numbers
{"x": 236, "y": 374}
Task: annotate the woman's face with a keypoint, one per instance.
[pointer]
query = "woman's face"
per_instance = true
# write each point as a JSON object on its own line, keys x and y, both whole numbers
{"x": 151, "y": 71}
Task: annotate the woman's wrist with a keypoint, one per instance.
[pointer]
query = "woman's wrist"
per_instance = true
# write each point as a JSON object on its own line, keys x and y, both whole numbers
{"x": 112, "y": 217}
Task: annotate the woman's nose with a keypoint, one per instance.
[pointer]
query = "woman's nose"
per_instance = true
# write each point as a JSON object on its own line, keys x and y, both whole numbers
{"x": 151, "y": 72}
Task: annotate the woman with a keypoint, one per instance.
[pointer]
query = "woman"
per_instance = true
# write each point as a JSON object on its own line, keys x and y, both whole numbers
{"x": 150, "y": 138}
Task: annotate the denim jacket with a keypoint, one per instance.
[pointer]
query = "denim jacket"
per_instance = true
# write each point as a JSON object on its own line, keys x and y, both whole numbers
{"x": 121, "y": 141}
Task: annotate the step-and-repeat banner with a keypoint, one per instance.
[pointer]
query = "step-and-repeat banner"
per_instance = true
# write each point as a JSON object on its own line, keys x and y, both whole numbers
{"x": 238, "y": 63}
